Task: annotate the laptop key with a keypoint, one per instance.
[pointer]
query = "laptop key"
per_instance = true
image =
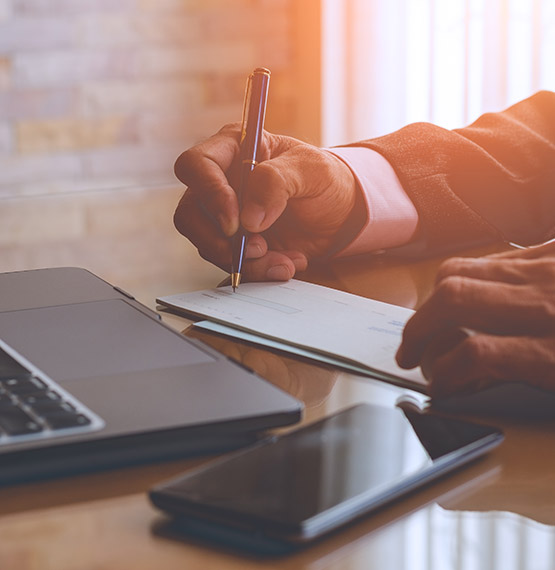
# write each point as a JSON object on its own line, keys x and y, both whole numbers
{"x": 5, "y": 399}
{"x": 62, "y": 420}
{"x": 39, "y": 397}
{"x": 14, "y": 421}
{"x": 48, "y": 407}
{"x": 23, "y": 385}
{"x": 33, "y": 406}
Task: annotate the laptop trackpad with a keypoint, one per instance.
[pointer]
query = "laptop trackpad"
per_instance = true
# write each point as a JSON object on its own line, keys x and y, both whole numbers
{"x": 95, "y": 339}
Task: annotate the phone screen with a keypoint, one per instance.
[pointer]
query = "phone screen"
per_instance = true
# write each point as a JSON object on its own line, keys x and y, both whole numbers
{"x": 311, "y": 480}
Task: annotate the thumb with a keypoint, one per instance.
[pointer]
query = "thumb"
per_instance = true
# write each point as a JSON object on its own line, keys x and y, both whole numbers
{"x": 302, "y": 172}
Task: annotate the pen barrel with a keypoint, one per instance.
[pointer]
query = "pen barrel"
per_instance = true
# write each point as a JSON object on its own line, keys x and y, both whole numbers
{"x": 254, "y": 114}
{"x": 238, "y": 245}
{"x": 240, "y": 239}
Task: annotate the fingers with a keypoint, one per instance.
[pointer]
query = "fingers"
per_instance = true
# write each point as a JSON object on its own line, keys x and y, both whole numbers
{"x": 479, "y": 361}
{"x": 310, "y": 191}
{"x": 208, "y": 161}
{"x": 193, "y": 222}
{"x": 513, "y": 266}
{"x": 205, "y": 169}
{"x": 260, "y": 265}
{"x": 485, "y": 306}
{"x": 211, "y": 169}
{"x": 508, "y": 302}
{"x": 275, "y": 266}
{"x": 302, "y": 172}
{"x": 516, "y": 271}
{"x": 266, "y": 196}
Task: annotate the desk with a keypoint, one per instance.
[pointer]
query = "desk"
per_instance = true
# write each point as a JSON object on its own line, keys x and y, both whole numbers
{"x": 496, "y": 513}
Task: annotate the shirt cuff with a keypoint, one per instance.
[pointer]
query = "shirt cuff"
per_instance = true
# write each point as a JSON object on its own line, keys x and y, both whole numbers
{"x": 391, "y": 216}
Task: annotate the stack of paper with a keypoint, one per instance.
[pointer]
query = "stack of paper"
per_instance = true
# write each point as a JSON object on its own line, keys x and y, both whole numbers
{"x": 359, "y": 334}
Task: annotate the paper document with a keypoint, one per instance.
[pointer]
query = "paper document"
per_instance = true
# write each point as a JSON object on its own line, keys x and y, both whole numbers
{"x": 279, "y": 345}
{"x": 360, "y": 334}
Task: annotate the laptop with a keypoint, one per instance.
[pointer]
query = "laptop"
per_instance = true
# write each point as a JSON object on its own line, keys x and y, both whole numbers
{"x": 91, "y": 378}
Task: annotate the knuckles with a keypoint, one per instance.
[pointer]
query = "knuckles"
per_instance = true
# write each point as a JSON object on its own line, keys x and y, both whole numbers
{"x": 543, "y": 311}
{"x": 475, "y": 353}
{"x": 449, "y": 291}
{"x": 267, "y": 176}
{"x": 472, "y": 361}
{"x": 190, "y": 159}
{"x": 230, "y": 129}
{"x": 544, "y": 271}
{"x": 449, "y": 267}
{"x": 185, "y": 163}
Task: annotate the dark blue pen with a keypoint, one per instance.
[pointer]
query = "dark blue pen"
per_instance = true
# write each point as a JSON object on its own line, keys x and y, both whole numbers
{"x": 254, "y": 111}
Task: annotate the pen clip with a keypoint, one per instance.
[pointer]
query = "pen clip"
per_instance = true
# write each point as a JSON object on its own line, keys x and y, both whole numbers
{"x": 246, "y": 105}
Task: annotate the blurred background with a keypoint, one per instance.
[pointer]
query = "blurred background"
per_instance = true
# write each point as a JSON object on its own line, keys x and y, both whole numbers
{"x": 99, "y": 97}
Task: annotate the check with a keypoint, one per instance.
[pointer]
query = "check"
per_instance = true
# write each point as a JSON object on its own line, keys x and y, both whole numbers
{"x": 354, "y": 332}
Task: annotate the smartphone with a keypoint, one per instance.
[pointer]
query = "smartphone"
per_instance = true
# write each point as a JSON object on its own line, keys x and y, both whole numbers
{"x": 289, "y": 490}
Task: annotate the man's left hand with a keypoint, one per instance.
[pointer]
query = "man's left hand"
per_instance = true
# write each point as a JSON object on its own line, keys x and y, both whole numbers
{"x": 488, "y": 320}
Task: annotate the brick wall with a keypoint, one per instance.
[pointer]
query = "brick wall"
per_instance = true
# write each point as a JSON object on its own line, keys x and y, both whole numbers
{"x": 105, "y": 93}
{"x": 97, "y": 99}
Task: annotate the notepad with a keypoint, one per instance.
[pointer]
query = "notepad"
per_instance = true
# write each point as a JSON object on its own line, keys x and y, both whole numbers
{"x": 349, "y": 331}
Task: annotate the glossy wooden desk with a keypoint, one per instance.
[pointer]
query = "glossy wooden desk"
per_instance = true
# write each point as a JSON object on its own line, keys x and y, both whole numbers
{"x": 496, "y": 513}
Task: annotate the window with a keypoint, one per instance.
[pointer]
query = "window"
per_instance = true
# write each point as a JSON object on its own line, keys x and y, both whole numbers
{"x": 389, "y": 63}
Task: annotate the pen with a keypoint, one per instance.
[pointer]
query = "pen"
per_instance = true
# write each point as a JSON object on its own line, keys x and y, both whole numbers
{"x": 254, "y": 110}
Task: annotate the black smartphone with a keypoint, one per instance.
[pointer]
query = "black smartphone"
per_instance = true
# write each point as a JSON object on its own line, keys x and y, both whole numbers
{"x": 294, "y": 488}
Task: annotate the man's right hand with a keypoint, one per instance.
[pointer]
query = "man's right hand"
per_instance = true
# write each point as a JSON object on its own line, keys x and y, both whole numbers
{"x": 297, "y": 200}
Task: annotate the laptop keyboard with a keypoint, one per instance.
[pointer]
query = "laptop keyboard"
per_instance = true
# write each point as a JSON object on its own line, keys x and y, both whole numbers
{"x": 33, "y": 406}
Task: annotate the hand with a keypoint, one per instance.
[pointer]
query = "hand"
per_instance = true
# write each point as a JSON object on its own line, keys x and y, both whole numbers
{"x": 298, "y": 198}
{"x": 489, "y": 320}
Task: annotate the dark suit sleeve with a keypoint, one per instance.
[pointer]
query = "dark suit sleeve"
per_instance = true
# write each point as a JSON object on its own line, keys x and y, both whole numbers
{"x": 492, "y": 180}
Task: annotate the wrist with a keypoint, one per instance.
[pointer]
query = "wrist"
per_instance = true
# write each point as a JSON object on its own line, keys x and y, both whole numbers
{"x": 357, "y": 214}
{"x": 390, "y": 218}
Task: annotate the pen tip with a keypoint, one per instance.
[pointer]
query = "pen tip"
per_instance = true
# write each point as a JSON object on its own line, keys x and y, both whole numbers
{"x": 235, "y": 279}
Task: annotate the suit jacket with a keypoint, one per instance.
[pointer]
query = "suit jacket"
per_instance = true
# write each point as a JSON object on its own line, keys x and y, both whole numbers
{"x": 492, "y": 180}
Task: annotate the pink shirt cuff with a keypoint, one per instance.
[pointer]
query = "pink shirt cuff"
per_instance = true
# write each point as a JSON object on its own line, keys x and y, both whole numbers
{"x": 391, "y": 216}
